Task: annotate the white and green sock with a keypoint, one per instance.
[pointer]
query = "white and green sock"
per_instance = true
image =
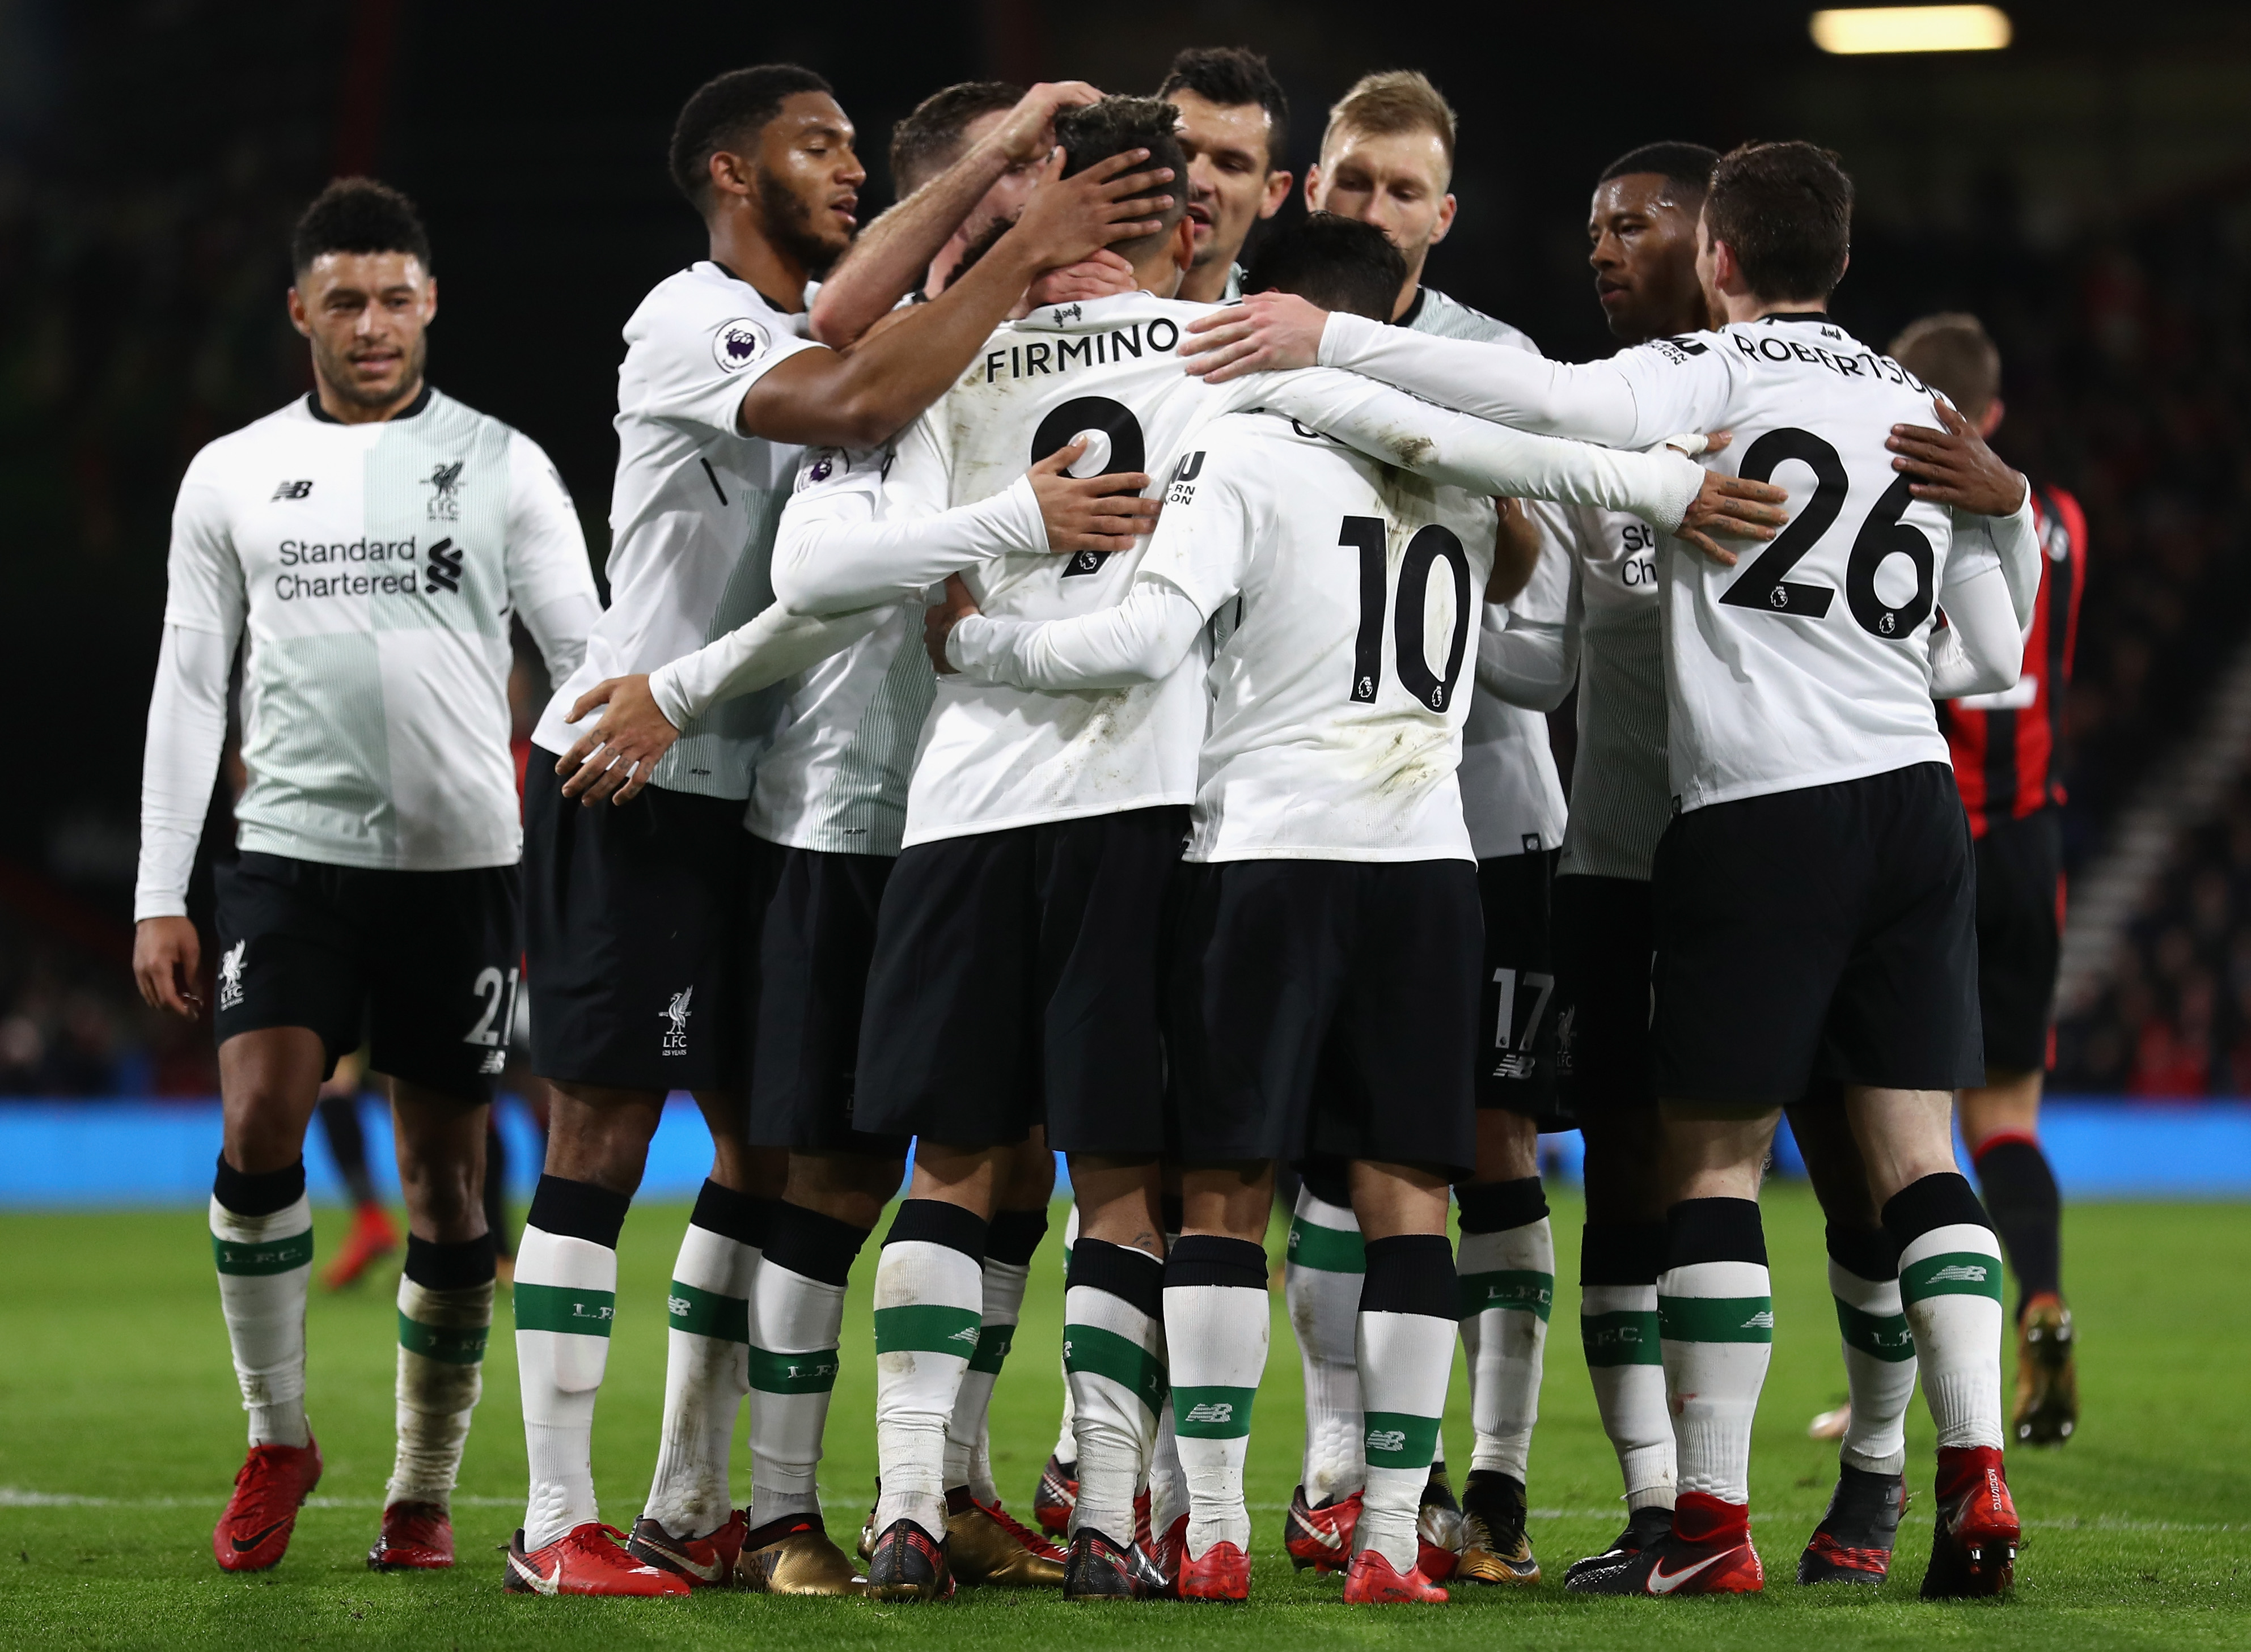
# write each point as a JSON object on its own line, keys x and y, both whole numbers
{"x": 930, "y": 1294}
{"x": 1618, "y": 1265}
{"x": 1066, "y": 1451}
{"x": 566, "y": 1300}
{"x": 1507, "y": 1263}
{"x": 1716, "y": 1310}
{"x": 1321, "y": 1282}
{"x": 445, "y": 1319}
{"x": 261, "y": 1229}
{"x": 1216, "y": 1325}
{"x": 1406, "y": 1337}
{"x": 1014, "y": 1236}
{"x": 1113, "y": 1355}
{"x": 797, "y": 1316}
{"x": 706, "y": 1361}
{"x": 1950, "y": 1290}
{"x": 1879, "y": 1348}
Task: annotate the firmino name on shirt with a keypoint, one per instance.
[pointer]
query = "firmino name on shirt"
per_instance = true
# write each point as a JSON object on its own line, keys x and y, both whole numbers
{"x": 1036, "y": 357}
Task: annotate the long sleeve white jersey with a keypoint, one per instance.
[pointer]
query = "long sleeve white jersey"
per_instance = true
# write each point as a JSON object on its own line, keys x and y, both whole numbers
{"x": 835, "y": 777}
{"x": 692, "y": 513}
{"x": 1511, "y": 793}
{"x": 1809, "y": 662}
{"x": 373, "y": 569}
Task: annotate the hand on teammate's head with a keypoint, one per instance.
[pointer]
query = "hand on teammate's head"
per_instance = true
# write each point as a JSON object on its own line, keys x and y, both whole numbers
{"x": 1028, "y": 131}
{"x": 1070, "y": 219}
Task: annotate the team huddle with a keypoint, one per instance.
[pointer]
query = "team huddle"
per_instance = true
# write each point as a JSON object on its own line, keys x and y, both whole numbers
{"x": 1067, "y": 686}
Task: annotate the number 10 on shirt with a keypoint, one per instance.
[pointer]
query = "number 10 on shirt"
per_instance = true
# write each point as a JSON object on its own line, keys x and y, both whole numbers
{"x": 1431, "y": 544}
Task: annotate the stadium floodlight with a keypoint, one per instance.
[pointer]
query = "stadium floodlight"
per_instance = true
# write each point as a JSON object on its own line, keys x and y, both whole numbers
{"x": 1900, "y": 28}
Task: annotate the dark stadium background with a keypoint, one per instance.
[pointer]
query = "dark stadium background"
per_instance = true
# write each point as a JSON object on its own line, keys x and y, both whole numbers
{"x": 2088, "y": 191}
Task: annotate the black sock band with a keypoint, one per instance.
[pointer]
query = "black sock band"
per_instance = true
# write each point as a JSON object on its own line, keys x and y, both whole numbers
{"x": 1208, "y": 1259}
{"x": 259, "y": 1195}
{"x": 1494, "y": 1207}
{"x": 1622, "y": 1252}
{"x": 1014, "y": 1235}
{"x": 1133, "y": 1276}
{"x": 1328, "y": 1180}
{"x": 932, "y": 1222}
{"x": 578, "y": 1210}
{"x": 742, "y": 1217}
{"x": 1942, "y": 1200}
{"x": 1713, "y": 1230}
{"x": 817, "y": 1246}
{"x": 1865, "y": 1253}
{"x": 2027, "y": 1209}
{"x": 1410, "y": 1274}
{"x": 436, "y": 1267}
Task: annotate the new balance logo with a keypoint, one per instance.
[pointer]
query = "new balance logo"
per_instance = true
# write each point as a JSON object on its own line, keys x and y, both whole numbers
{"x": 677, "y": 1307}
{"x": 444, "y": 572}
{"x": 1212, "y": 1411}
{"x": 1762, "y": 1320}
{"x": 1390, "y": 1442}
{"x": 293, "y": 490}
{"x": 967, "y": 1333}
{"x": 1959, "y": 1273}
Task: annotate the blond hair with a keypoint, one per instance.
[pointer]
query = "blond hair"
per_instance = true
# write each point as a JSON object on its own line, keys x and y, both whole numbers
{"x": 1393, "y": 101}
{"x": 1952, "y": 352}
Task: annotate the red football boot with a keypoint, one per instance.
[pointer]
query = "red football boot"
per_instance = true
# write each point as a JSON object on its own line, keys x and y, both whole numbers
{"x": 1320, "y": 1538}
{"x": 416, "y": 1537}
{"x": 1973, "y": 1548}
{"x": 272, "y": 1482}
{"x": 1220, "y": 1572}
{"x": 586, "y": 1560}
{"x": 1371, "y": 1580}
{"x": 1057, "y": 1497}
{"x": 1707, "y": 1551}
{"x": 370, "y": 1239}
{"x": 706, "y": 1562}
{"x": 1162, "y": 1562}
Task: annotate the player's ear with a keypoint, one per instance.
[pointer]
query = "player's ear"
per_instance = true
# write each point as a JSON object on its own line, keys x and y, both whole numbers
{"x": 297, "y": 316}
{"x": 1313, "y": 187}
{"x": 1445, "y": 220}
{"x": 1277, "y": 191}
{"x": 728, "y": 175}
{"x": 1990, "y": 420}
{"x": 1184, "y": 242}
{"x": 430, "y": 301}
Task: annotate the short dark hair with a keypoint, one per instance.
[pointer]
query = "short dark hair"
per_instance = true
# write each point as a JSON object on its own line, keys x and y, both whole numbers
{"x": 1230, "y": 76}
{"x": 929, "y": 139}
{"x": 1952, "y": 352}
{"x": 1096, "y": 131}
{"x": 358, "y": 215}
{"x": 1337, "y": 263}
{"x": 1786, "y": 209}
{"x": 726, "y": 109}
{"x": 1689, "y": 165}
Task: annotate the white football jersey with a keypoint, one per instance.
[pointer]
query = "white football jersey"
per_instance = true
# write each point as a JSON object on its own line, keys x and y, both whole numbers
{"x": 374, "y": 569}
{"x": 1340, "y": 694}
{"x": 692, "y": 513}
{"x": 993, "y": 757}
{"x": 835, "y": 777}
{"x": 1511, "y": 793}
{"x": 1809, "y": 661}
{"x": 1621, "y": 787}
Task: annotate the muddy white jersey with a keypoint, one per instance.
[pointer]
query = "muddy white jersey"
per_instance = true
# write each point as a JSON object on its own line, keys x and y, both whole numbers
{"x": 1511, "y": 793}
{"x": 1809, "y": 661}
{"x": 692, "y": 513}
{"x": 1340, "y": 692}
{"x": 835, "y": 777}
{"x": 373, "y": 569}
{"x": 993, "y": 757}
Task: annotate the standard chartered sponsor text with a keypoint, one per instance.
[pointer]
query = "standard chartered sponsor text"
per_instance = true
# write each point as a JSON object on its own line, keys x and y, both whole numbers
{"x": 294, "y": 553}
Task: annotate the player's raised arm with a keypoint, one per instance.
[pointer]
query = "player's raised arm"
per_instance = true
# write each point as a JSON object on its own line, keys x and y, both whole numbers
{"x": 862, "y": 395}
{"x": 892, "y": 256}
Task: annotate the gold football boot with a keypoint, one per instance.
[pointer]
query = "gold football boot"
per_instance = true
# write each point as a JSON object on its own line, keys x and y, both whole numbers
{"x": 987, "y": 1546}
{"x": 794, "y": 1555}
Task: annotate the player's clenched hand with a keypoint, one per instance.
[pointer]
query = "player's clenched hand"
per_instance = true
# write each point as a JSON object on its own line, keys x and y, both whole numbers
{"x": 939, "y": 621}
{"x": 1029, "y": 132}
{"x": 1104, "y": 275}
{"x": 1954, "y": 466}
{"x": 1267, "y": 332}
{"x": 167, "y": 960}
{"x": 1733, "y": 509}
{"x": 615, "y": 758}
{"x": 1070, "y": 219}
{"x": 1090, "y": 513}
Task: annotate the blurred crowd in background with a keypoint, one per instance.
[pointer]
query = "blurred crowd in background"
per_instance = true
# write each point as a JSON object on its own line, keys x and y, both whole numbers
{"x": 147, "y": 322}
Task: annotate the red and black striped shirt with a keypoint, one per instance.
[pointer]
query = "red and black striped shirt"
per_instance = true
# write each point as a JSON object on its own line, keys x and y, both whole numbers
{"x": 2005, "y": 744}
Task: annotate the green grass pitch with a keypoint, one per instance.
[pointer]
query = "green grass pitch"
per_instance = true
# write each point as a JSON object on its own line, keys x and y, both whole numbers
{"x": 119, "y": 1432}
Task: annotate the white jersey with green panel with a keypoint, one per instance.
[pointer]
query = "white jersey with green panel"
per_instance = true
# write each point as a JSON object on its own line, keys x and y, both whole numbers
{"x": 373, "y": 569}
